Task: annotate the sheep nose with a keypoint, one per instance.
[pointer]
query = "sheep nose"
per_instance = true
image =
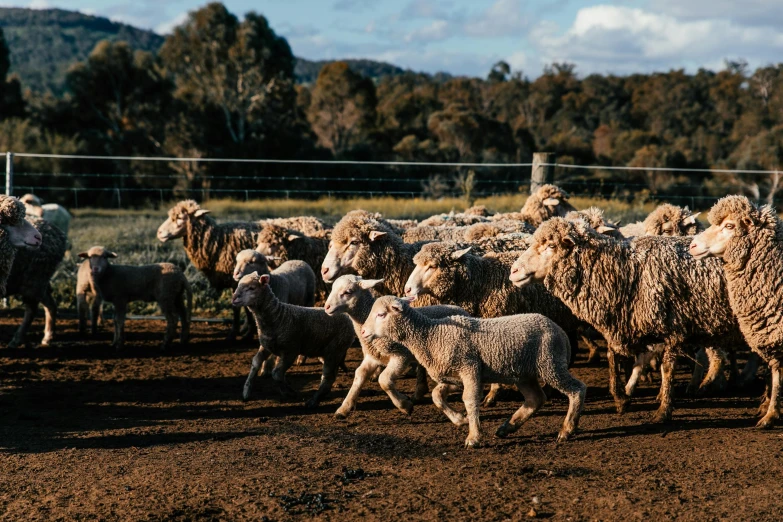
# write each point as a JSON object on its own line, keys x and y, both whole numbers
{"x": 515, "y": 270}
{"x": 408, "y": 290}
{"x": 364, "y": 333}
{"x": 325, "y": 270}
{"x": 327, "y": 306}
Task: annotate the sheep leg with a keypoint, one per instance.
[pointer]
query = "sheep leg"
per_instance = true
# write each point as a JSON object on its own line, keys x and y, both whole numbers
{"x": 621, "y": 400}
{"x": 171, "y": 329}
{"x": 81, "y": 311}
{"x": 29, "y": 315}
{"x": 95, "y": 315}
{"x": 395, "y": 369}
{"x": 249, "y": 327}
{"x": 267, "y": 366}
{"x": 328, "y": 376}
{"x": 363, "y": 372}
{"x": 593, "y": 356}
{"x": 642, "y": 360}
{"x": 258, "y": 359}
{"x": 492, "y": 396}
{"x": 284, "y": 362}
{"x": 120, "y": 309}
{"x": 575, "y": 390}
{"x": 50, "y": 312}
{"x": 182, "y": 312}
{"x": 534, "y": 399}
{"x": 471, "y": 397}
{"x": 715, "y": 378}
{"x": 664, "y": 413}
{"x": 232, "y": 334}
{"x": 773, "y": 410}
{"x": 422, "y": 387}
{"x": 749, "y": 371}
{"x": 697, "y": 377}
{"x": 440, "y": 395}
{"x": 300, "y": 360}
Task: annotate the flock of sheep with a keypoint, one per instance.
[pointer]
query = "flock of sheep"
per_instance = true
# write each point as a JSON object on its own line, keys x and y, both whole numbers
{"x": 466, "y": 299}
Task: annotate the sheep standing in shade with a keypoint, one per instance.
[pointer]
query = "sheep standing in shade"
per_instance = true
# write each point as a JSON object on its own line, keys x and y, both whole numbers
{"x": 15, "y": 232}
{"x": 517, "y": 350}
{"x": 749, "y": 240}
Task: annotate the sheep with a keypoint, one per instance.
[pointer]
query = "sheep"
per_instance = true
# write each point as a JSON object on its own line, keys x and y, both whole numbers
{"x": 15, "y": 232}
{"x": 307, "y": 225}
{"x": 163, "y": 283}
{"x": 287, "y": 331}
{"x": 665, "y": 220}
{"x": 634, "y": 293}
{"x": 594, "y": 217}
{"x": 30, "y": 277}
{"x": 285, "y": 244}
{"x": 453, "y": 219}
{"x": 749, "y": 241}
{"x": 351, "y": 295}
{"x": 211, "y": 247}
{"x": 547, "y": 201}
{"x": 293, "y": 282}
{"x": 518, "y": 350}
{"x": 401, "y": 225}
{"x": 87, "y": 299}
{"x": 469, "y": 233}
{"x": 365, "y": 245}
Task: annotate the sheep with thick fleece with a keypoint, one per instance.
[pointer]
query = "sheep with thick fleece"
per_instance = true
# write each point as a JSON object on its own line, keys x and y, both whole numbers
{"x": 634, "y": 293}
{"x": 351, "y": 295}
{"x": 163, "y": 283}
{"x": 594, "y": 217}
{"x": 749, "y": 240}
{"x": 287, "y": 331}
{"x": 30, "y": 277}
{"x": 470, "y": 233}
{"x": 665, "y": 220}
{"x": 211, "y": 247}
{"x": 517, "y": 350}
{"x": 453, "y": 219}
{"x": 15, "y": 232}
{"x": 307, "y": 225}
{"x": 52, "y": 213}
{"x": 548, "y": 201}
{"x": 285, "y": 244}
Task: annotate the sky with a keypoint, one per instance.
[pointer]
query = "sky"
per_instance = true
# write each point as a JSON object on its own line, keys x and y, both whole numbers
{"x": 466, "y": 37}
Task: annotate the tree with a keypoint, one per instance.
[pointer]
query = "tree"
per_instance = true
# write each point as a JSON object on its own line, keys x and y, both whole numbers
{"x": 236, "y": 67}
{"x": 342, "y": 109}
{"x": 11, "y": 101}
{"x": 499, "y": 73}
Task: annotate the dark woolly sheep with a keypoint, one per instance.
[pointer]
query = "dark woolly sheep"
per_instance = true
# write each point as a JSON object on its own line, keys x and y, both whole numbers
{"x": 15, "y": 232}
{"x": 749, "y": 240}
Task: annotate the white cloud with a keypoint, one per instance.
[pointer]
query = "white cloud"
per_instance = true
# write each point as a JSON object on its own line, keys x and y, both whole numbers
{"x": 518, "y": 61}
{"x": 744, "y": 12}
{"x": 168, "y": 26}
{"x": 607, "y": 38}
{"x": 435, "y": 31}
{"x": 502, "y": 18}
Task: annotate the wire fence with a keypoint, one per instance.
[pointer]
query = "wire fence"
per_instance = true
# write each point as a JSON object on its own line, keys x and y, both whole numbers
{"x": 128, "y": 181}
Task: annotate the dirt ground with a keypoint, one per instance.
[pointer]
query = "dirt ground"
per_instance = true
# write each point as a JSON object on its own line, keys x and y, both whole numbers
{"x": 87, "y": 433}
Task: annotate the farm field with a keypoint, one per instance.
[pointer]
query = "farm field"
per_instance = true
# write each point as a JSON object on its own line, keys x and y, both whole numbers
{"x": 87, "y": 433}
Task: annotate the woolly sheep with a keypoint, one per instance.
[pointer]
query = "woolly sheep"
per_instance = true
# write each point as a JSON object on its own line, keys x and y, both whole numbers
{"x": 453, "y": 219}
{"x": 30, "y": 277}
{"x": 307, "y": 225}
{"x": 469, "y": 233}
{"x": 287, "y": 331}
{"x": 87, "y": 299}
{"x": 163, "y": 283}
{"x": 285, "y": 244}
{"x": 351, "y": 295}
{"x": 548, "y": 201}
{"x": 634, "y": 293}
{"x": 749, "y": 240}
{"x": 293, "y": 282}
{"x": 665, "y": 220}
{"x": 517, "y": 350}
{"x": 15, "y": 232}
{"x": 211, "y": 247}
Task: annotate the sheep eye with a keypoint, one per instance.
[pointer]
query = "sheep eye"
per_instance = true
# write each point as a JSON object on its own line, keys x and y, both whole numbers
{"x": 729, "y": 226}
{"x": 355, "y": 242}
{"x": 381, "y": 315}
{"x": 551, "y": 246}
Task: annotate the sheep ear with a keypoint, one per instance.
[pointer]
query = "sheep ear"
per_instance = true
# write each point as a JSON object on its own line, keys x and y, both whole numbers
{"x": 366, "y": 284}
{"x": 747, "y": 221}
{"x": 459, "y": 253}
{"x": 551, "y": 202}
{"x": 617, "y": 223}
{"x": 262, "y": 279}
{"x": 110, "y": 254}
{"x": 603, "y": 229}
{"x": 200, "y": 212}
{"x": 273, "y": 258}
{"x": 692, "y": 219}
{"x": 398, "y": 305}
{"x": 84, "y": 255}
{"x": 375, "y": 234}
{"x": 293, "y": 237}
{"x": 568, "y": 241}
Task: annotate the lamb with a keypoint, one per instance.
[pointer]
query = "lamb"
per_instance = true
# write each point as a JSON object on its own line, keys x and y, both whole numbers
{"x": 293, "y": 282}
{"x": 285, "y": 244}
{"x": 548, "y": 201}
{"x": 87, "y": 299}
{"x": 287, "y": 331}
{"x": 633, "y": 293}
{"x": 749, "y": 240}
{"x": 666, "y": 220}
{"x": 211, "y": 247}
{"x": 163, "y": 283}
{"x": 15, "y": 232}
{"x": 52, "y": 213}
{"x": 351, "y": 295}
{"x": 366, "y": 246}
{"x": 30, "y": 277}
{"x": 518, "y": 350}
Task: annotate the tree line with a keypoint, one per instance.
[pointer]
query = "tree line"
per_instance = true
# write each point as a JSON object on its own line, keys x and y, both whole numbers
{"x": 224, "y": 87}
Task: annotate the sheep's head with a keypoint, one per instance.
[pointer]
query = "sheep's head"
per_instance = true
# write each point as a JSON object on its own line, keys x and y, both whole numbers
{"x": 355, "y": 237}
{"x": 274, "y": 240}
{"x": 554, "y": 239}
{"x": 19, "y": 231}
{"x": 180, "y": 216}
{"x": 98, "y": 257}
{"x": 250, "y": 287}
{"x": 671, "y": 220}
{"x": 548, "y": 201}
{"x": 480, "y": 231}
{"x": 382, "y": 315}
{"x": 436, "y": 268}
{"x": 345, "y": 293}
{"x": 594, "y": 217}
{"x": 733, "y": 220}
{"x": 249, "y": 261}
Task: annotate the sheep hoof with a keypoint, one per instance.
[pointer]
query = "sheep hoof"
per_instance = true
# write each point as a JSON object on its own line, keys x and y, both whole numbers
{"x": 312, "y": 403}
{"x": 472, "y": 443}
{"x": 662, "y": 417}
{"x": 503, "y": 430}
{"x": 407, "y": 407}
{"x": 488, "y": 402}
{"x": 622, "y": 405}
{"x": 342, "y": 414}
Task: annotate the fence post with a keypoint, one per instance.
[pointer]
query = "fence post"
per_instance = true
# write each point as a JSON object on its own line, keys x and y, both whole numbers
{"x": 9, "y": 173}
{"x": 543, "y": 172}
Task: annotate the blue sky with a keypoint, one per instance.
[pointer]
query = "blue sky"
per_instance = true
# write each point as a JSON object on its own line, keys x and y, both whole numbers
{"x": 467, "y": 37}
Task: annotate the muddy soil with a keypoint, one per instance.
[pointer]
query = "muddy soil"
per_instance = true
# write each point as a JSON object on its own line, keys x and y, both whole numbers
{"x": 87, "y": 433}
